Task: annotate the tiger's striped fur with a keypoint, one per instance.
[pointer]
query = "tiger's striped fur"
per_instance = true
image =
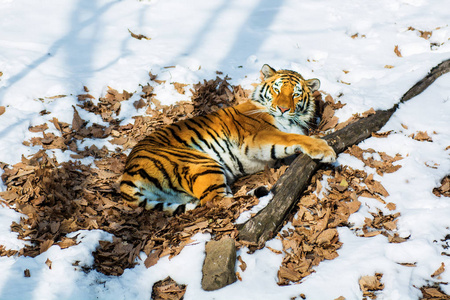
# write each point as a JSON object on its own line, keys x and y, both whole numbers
{"x": 194, "y": 161}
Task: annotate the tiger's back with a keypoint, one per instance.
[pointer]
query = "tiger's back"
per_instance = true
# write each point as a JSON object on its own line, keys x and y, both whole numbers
{"x": 194, "y": 161}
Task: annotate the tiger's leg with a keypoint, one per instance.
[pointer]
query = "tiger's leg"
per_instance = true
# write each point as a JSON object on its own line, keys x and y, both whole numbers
{"x": 273, "y": 144}
{"x": 208, "y": 183}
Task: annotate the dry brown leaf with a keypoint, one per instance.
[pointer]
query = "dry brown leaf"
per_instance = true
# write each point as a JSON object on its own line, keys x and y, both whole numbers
{"x": 152, "y": 259}
{"x": 390, "y": 225}
{"x": 77, "y": 122}
{"x": 439, "y": 271}
{"x": 435, "y": 293}
{"x": 421, "y": 136}
{"x": 381, "y": 134}
{"x": 289, "y": 274}
{"x": 396, "y": 238}
{"x": 38, "y": 128}
{"x": 353, "y": 206}
{"x": 444, "y": 188}
{"x": 27, "y": 273}
{"x": 391, "y": 206}
{"x": 179, "y": 87}
{"x": 243, "y": 265}
{"x": 45, "y": 246}
{"x": 48, "y": 262}
{"x": 274, "y": 250}
{"x": 2, "y": 110}
{"x": 138, "y": 36}
{"x": 397, "y": 51}
{"x": 139, "y": 104}
{"x": 118, "y": 140}
{"x": 369, "y": 284}
{"x": 66, "y": 242}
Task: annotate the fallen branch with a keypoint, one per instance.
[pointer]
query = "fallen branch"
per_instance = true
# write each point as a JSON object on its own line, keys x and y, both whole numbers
{"x": 288, "y": 189}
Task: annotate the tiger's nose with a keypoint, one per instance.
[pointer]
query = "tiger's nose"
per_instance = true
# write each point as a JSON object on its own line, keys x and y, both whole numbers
{"x": 283, "y": 109}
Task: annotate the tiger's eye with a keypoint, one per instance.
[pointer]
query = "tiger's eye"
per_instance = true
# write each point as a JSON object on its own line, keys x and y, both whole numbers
{"x": 276, "y": 89}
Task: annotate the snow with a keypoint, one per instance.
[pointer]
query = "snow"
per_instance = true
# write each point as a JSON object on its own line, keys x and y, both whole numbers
{"x": 50, "y": 48}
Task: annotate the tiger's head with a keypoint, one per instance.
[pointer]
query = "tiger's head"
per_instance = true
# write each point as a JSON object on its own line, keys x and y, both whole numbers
{"x": 287, "y": 96}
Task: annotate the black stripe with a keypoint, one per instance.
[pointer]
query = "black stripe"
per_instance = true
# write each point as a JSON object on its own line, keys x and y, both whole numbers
{"x": 159, "y": 207}
{"x": 234, "y": 120}
{"x": 207, "y": 172}
{"x": 236, "y": 159}
{"x": 194, "y": 142}
{"x": 180, "y": 209}
{"x": 127, "y": 197}
{"x": 128, "y": 168}
{"x": 212, "y": 188}
{"x": 162, "y": 136}
{"x": 212, "y": 134}
{"x": 199, "y": 136}
{"x": 272, "y": 152}
{"x": 163, "y": 170}
{"x": 246, "y": 116}
{"x": 268, "y": 123}
{"x": 185, "y": 153}
{"x": 127, "y": 182}
{"x": 147, "y": 177}
{"x": 181, "y": 141}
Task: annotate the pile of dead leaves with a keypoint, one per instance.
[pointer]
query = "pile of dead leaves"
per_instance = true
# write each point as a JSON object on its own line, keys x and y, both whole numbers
{"x": 60, "y": 198}
{"x": 313, "y": 236}
{"x": 168, "y": 289}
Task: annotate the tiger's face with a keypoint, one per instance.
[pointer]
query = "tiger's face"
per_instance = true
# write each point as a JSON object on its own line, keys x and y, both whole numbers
{"x": 287, "y": 96}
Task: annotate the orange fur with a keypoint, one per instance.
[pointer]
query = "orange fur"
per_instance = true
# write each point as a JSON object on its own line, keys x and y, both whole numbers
{"x": 195, "y": 161}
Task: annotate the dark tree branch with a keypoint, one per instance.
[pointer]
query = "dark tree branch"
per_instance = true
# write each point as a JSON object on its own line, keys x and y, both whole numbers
{"x": 288, "y": 189}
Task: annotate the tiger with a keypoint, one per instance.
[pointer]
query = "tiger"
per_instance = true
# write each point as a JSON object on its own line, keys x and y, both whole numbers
{"x": 194, "y": 161}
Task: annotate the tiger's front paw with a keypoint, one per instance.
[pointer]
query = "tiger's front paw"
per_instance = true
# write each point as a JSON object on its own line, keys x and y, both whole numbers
{"x": 320, "y": 150}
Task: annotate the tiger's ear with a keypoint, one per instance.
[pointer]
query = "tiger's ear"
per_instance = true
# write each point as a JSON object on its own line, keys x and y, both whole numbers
{"x": 313, "y": 84}
{"x": 268, "y": 71}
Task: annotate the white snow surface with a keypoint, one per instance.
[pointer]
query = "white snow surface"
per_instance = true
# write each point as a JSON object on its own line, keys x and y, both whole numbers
{"x": 54, "y": 47}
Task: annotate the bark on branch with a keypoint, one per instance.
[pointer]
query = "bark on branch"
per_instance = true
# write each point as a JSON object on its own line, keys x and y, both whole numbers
{"x": 288, "y": 189}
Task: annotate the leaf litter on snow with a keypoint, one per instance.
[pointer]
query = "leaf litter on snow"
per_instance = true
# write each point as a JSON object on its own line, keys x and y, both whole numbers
{"x": 60, "y": 198}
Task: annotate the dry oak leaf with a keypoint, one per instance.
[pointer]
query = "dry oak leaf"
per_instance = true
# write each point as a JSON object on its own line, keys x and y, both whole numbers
{"x": 138, "y": 36}
{"x": 2, "y": 110}
{"x": 48, "y": 262}
{"x": 391, "y": 206}
{"x": 439, "y": 271}
{"x": 77, "y": 121}
{"x": 179, "y": 87}
{"x": 397, "y": 51}
{"x": 434, "y": 293}
{"x": 421, "y": 136}
{"x": 243, "y": 265}
{"x": 371, "y": 283}
{"x": 152, "y": 259}
{"x": 38, "y": 128}
{"x": 45, "y": 246}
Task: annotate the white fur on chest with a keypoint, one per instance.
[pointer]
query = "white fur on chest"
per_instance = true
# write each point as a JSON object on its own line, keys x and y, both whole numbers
{"x": 285, "y": 126}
